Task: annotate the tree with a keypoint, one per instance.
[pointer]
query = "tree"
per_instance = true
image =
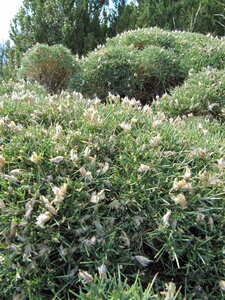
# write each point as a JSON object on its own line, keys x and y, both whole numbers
{"x": 76, "y": 24}
{"x": 204, "y": 16}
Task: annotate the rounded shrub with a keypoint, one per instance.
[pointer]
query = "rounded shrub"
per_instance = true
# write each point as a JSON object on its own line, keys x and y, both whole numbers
{"x": 145, "y": 63}
{"x": 157, "y": 70}
{"x": 106, "y": 70}
{"x": 203, "y": 93}
{"x": 144, "y": 37}
{"x": 50, "y": 66}
{"x": 127, "y": 71}
{"x": 194, "y": 49}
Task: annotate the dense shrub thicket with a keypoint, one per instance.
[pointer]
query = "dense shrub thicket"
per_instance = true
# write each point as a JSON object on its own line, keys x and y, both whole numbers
{"x": 145, "y": 63}
{"x": 51, "y": 66}
{"x": 95, "y": 198}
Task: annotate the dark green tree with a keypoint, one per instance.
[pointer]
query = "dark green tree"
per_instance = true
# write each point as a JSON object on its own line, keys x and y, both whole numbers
{"x": 76, "y": 24}
{"x": 204, "y": 16}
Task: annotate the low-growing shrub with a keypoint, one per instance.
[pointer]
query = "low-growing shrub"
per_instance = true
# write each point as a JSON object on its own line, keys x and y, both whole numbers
{"x": 128, "y": 72}
{"x": 203, "y": 93}
{"x": 51, "y": 66}
{"x": 106, "y": 70}
{"x": 194, "y": 49}
{"x": 157, "y": 70}
{"x": 146, "y": 63}
{"x": 109, "y": 201}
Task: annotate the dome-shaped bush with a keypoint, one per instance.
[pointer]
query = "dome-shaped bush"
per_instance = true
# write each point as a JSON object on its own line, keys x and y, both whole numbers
{"x": 127, "y": 71}
{"x": 51, "y": 66}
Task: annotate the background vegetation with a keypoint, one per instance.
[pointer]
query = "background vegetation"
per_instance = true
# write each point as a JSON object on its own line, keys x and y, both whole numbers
{"x": 81, "y": 25}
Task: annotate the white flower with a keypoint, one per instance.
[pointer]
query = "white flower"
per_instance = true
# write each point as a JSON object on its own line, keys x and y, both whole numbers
{"x": 221, "y": 164}
{"x": 134, "y": 121}
{"x": 92, "y": 115}
{"x": 82, "y": 171}
{"x": 96, "y": 197}
{"x": 182, "y": 185}
{"x": 166, "y": 218}
{"x": 156, "y": 123}
{"x": 58, "y": 132}
{"x": 49, "y": 206}
{"x": 102, "y": 270}
{"x": 187, "y": 174}
{"x": 143, "y": 168}
{"x": 142, "y": 260}
{"x": 90, "y": 242}
{"x": 2, "y": 204}
{"x": 88, "y": 176}
{"x": 29, "y": 209}
{"x": 15, "y": 172}
{"x": 57, "y": 159}
{"x": 73, "y": 156}
{"x": 43, "y": 218}
{"x": 180, "y": 199}
{"x": 2, "y": 123}
{"x": 222, "y": 284}
{"x": 87, "y": 152}
{"x": 125, "y": 126}
{"x": 155, "y": 140}
{"x": 59, "y": 193}
{"x": 169, "y": 294}
{"x": 86, "y": 276}
{"x": 105, "y": 168}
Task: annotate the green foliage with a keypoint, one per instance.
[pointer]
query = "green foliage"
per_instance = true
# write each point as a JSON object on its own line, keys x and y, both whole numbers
{"x": 157, "y": 70}
{"x": 145, "y": 63}
{"x": 203, "y": 93}
{"x": 202, "y": 16}
{"x": 194, "y": 50}
{"x": 107, "y": 69}
{"x": 127, "y": 71}
{"x": 88, "y": 189}
{"x": 75, "y": 24}
{"x": 51, "y": 66}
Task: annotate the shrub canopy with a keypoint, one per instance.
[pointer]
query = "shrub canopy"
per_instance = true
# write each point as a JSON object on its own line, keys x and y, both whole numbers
{"x": 145, "y": 63}
{"x": 51, "y": 66}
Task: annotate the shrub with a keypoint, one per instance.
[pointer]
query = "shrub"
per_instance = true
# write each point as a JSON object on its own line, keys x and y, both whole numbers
{"x": 126, "y": 71}
{"x": 142, "y": 38}
{"x": 146, "y": 62}
{"x": 94, "y": 196}
{"x": 203, "y": 93}
{"x": 157, "y": 70}
{"x": 51, "y": 66}
{"x": 194, "y": 49}
{"x": 106, "y": 70}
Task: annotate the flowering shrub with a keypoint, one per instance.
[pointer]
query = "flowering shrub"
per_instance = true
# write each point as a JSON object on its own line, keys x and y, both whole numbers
{"x": 203, "y": 93}
{"x": 146, "y": 63}
{"x": 128, "y": 72}
{"x": 106, "y": 201}
{"x": 195, "y": 50}
{"x": 51, "y": 66}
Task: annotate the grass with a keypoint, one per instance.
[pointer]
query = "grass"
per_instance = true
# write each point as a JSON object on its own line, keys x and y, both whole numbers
{"x": 108, "y": 201}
